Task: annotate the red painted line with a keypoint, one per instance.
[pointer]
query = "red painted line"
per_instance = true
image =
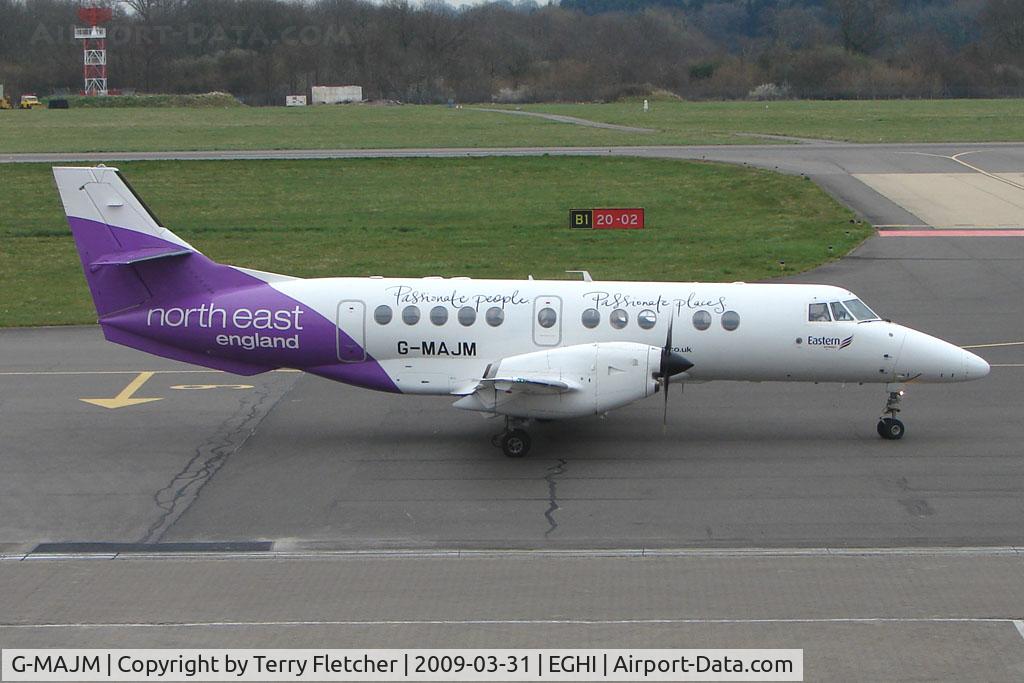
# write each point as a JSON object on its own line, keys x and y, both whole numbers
{"x": 951, "y": 233}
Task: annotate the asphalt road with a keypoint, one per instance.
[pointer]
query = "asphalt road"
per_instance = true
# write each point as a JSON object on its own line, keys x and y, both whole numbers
{"x": 308, "y": 463}
{"x": 922, "y": 616}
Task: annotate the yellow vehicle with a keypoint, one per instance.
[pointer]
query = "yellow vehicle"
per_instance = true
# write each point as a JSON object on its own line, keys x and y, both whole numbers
{"x": 30, "y": 102}
{"x": 4, "y": 104}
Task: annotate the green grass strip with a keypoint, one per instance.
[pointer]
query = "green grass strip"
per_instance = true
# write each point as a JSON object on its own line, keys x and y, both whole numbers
{"x": 482, "y": 217}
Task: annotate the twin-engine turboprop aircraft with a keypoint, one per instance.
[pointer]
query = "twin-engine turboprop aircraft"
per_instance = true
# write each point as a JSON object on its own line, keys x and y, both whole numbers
{"x": 524, "y": 350}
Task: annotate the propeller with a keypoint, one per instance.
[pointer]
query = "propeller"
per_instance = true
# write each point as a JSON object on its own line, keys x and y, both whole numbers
{"x": 671, "y": 364}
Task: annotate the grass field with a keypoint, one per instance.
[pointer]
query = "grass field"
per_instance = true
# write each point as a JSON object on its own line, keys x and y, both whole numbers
{"x": 364, "y": 126}
{"x": 484, "y": 217}
{"x": 854, "y": 121}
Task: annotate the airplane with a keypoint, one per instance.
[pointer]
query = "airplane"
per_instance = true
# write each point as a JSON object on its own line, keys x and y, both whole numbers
{"x": 520, "y": 349}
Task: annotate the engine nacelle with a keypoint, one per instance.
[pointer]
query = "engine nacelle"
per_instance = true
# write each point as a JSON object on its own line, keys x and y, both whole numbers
{"x": 570, "y": 381}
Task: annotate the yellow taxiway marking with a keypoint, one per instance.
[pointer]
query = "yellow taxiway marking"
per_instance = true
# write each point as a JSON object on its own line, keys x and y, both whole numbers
{"x": 124, "y": 399}
{"x": 989, "y": 346}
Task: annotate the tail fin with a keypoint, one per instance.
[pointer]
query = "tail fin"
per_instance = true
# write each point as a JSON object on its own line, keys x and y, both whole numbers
{"x": 131, "y": 261}
{"x": 116, "y": 234}
{"x": 102, "y": 195}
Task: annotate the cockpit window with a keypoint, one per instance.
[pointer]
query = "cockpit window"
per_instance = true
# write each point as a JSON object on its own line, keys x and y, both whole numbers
{"x": 858, "y": 308}
{"x": 817, "y": 313}
{"x": 839, "y": 313}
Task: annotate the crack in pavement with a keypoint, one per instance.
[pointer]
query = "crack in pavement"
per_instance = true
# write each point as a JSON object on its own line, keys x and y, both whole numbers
{"x": 553, "y": 506}
{"x": 178, "y": 495}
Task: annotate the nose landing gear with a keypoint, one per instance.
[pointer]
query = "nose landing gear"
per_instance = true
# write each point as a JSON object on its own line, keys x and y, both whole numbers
{"x": 888, "y": 426}
{"x": 514, "y": 441}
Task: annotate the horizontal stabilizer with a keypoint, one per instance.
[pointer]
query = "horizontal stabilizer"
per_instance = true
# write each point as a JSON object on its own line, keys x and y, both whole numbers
{"x": 126, "y": 258}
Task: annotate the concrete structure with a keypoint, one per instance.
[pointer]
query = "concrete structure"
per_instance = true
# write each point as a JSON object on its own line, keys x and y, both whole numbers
{"x": 335, "y": 94}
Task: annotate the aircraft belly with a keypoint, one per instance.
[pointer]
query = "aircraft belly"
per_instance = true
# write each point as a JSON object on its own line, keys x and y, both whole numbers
{"x": 432, "y": 376}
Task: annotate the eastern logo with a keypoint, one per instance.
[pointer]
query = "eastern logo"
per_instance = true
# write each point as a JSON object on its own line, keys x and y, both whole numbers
{"x": 830, "y": 342}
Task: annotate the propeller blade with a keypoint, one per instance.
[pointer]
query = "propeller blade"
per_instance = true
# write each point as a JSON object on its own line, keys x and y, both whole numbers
{"x": 666, "y": 375}
{"x": 664, "y": 415}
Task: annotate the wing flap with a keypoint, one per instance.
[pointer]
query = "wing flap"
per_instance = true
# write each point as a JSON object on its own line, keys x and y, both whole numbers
{"x": 529, "y": 384}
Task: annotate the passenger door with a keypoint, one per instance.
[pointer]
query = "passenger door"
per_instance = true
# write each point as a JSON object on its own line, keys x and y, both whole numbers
{"x": 351, "y": 331}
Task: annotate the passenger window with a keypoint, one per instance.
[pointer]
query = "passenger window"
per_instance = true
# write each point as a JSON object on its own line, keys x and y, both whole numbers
{"x": 839, "y": 313}
{"x": 702, "y": 320}
{"x": 467, "y": 316}
{"x": 382, "y": 314}
{"x": 410, "y": 315}
{"x": 646, "y": 319}
{"x": 439, "y": 315}
{"x": 817, "y": 313}
{"x": 494, "y": 316}
{"x": 591, "y": 318}
{"x": 546, "y": 317}
{"x": 619, "y": 318}
{"x": 730, "y": 320}
{"x": 860, "y": 310}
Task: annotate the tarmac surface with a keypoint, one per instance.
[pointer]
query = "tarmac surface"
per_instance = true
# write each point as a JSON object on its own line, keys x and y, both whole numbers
{"x": 308, "y": 463}
{"x": 285, "y": 510}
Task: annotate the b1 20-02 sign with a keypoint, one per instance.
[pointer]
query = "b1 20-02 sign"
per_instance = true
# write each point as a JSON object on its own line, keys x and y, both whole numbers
{"x": 606, "y": 219}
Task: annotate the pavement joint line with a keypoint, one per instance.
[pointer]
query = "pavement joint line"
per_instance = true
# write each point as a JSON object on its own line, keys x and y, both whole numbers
{"x": 626, "y": 553}
{"x": 525, "y": 622}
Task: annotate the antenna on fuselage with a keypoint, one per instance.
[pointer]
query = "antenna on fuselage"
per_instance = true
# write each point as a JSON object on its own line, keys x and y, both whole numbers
{"x": 585, "y": 274}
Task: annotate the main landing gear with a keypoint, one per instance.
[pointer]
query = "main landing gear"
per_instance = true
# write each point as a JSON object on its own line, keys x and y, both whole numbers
{"x": 888, "y": 426}
{"x": 514, "y": 441}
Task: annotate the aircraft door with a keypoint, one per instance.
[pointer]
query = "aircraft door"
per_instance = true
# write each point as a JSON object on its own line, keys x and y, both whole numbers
{"x": 351, "y": 331}
{"x": 547, "y": 320}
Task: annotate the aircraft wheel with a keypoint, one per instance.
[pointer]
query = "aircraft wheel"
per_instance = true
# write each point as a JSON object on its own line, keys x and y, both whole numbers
{"x": 890, "y": 428}
{"x": 515, "y": 443}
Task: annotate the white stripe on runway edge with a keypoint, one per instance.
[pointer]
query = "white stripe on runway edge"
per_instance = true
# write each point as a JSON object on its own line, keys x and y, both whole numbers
{"x": 527, "y": 622}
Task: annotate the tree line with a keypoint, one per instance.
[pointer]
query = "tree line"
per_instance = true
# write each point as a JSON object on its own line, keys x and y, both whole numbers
{"x": 261, "y": 50}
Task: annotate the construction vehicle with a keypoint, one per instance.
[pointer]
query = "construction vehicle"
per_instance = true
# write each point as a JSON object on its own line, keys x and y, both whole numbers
{"x": 30, "y": 102}
{"x": 4, "y": 102}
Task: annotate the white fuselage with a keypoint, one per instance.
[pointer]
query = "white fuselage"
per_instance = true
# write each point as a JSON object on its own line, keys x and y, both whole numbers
{"x": 774, "y": 340}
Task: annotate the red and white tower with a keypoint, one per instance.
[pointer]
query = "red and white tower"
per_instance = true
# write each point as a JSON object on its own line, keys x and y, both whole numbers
{"x": 94, "y": 48}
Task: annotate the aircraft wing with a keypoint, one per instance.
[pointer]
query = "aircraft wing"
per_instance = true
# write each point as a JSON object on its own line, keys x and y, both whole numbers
{"x": 525, "y": 384}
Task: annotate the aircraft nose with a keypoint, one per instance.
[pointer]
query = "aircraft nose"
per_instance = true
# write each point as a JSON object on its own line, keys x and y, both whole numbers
{"x": 924, "y": 358}
{"x": 975, "y": 367}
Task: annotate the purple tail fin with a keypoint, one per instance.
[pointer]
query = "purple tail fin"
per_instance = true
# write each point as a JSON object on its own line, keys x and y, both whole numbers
{"x": 127, "y": 256}
{"x": 131, "y": 261}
